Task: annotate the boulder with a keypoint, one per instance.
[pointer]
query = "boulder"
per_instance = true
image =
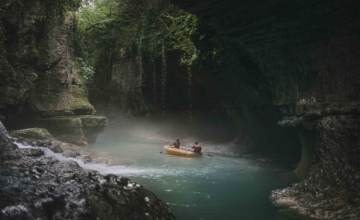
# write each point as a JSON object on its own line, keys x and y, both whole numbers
{"x": 80, "y": 130}
{"x": 32, "y": 133}
{"x": 34, "y": 185}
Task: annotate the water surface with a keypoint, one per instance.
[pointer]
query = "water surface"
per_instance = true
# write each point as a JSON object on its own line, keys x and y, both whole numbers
{"x": 209, "y": 187}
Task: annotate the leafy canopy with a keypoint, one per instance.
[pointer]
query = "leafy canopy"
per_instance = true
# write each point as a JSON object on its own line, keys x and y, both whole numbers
{"x": 108, "y": 25}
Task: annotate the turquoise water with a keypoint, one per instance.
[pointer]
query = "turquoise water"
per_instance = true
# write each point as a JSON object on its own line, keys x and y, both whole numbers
{"x": 208, "y": 187}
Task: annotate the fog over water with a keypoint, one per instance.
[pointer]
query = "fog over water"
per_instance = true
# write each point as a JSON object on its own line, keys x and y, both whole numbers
{"x": 214, "y": 133}
{"x": 212, "y": 187}
{"x": 208, "y": 187}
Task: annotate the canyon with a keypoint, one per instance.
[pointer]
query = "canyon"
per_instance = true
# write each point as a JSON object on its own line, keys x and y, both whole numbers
{"x": 286, "y": 80}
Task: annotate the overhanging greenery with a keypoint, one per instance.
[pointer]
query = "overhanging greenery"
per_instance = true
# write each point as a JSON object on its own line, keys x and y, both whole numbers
{"x": 147, "y": 28}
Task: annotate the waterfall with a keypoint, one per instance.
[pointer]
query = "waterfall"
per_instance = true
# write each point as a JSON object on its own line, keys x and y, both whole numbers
{"x": 163, "y": 54}
{"x": 100, "y": 167}
{"x": 189, "y": 94}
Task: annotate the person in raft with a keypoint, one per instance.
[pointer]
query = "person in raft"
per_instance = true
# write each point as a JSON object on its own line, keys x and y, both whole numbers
{"x": 176, "y": 144}
{"x": 197, "y": 148}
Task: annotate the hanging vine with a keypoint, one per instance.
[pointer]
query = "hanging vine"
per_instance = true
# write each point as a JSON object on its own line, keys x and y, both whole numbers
{"x": 151, "y": 28}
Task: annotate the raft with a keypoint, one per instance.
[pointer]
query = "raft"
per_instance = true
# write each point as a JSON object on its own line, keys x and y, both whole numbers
{"x": 180, "y": 152}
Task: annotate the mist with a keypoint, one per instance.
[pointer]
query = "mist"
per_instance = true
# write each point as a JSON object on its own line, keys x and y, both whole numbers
{"x": 202, "y": 126}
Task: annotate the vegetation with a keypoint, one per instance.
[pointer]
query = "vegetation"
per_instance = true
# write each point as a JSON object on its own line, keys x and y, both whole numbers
{"x": 147, "y": 28}
{"x": 109, "y": 24}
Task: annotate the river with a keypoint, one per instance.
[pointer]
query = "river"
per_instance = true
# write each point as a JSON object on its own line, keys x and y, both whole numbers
{"x": 208, "y": 187}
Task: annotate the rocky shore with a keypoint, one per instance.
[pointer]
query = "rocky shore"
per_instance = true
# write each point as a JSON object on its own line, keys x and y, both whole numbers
{"x": 332, "y": 188}
{"x": 40, "y": 180}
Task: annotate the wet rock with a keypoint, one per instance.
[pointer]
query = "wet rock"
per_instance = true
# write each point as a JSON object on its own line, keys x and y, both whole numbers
{"x": 55, "y": 149}
{"x": 34, "y": 184}
{"x": 80, "y": 130}
{"x": 71, "y": 154}
{"x": 92, "y": 126}
{"x": 47, "y": 188}
{"x": 8, "y": 151}
{"x": 67, "y": 191}
{"x": 32, "y": 133}
{"x": 31, "y": 152}
{"x": 40, "y": 45}
{"x": 315, "y": 98}
{"x": 331, "y": 189}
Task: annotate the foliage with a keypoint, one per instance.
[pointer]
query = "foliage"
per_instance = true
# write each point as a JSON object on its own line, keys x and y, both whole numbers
{"x": 86, "y": 71}
{"x": 145, "y": 28}
{"x": 77, "y": 45}
{"x": 59, "y": 7}
{"x": 108, "y": 25}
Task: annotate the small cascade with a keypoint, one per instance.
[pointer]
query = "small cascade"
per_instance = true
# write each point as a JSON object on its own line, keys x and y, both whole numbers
{"x": 189, "y": 94}
{"x": 163, "y": 83}
{"x": 102, "y": 168}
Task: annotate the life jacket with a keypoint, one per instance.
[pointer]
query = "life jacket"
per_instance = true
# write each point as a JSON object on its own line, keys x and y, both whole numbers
{"x": 197, "y": 148}
{"x": 177, "y": 144}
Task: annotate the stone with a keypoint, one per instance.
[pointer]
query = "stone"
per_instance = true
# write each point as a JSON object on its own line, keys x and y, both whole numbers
{"x": 32, "y": 152}
{"x": 8, "y": 151}
{"x": 80, "y": 130}
{"x": 54, "y": 94}
{"x": 36, "y": 62}
{"x": 32, "y": 133}
{"x": 35, "y": 186}
{"x": 81, "y": 104}
{"x": 297, "y": 61}
{"x": 49, "y": 144}
{"x": 92, "y": 126}
{"x": 71, "y": 154}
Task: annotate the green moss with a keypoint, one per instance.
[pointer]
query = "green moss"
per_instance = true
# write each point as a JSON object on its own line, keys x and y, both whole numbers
{"x": 79, "y": 130}
{"x": 80, "y": 99}
{"x": 93, "y": 121}
{"x": 32, "y": 133}
{"x": 67, "y": 129}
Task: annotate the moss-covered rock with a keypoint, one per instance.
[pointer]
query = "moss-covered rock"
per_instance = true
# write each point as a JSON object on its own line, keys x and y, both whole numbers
{"x": 67, "y": 190}
{"x": 80, "y": 130}
{"x": 32, "y": 133}
{"x": 65, "y": 128}
{"x": 92, "y": 126}
{"x": 80, "y": 104}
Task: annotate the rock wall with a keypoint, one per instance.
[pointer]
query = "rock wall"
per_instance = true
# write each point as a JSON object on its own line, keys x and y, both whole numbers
{"x": 301, "y": 58}
{"x": 36, "y": 72}
{"x": 127, "y": 73}
{"x": 40, "y": 181}
{"x": 139, "y": 92}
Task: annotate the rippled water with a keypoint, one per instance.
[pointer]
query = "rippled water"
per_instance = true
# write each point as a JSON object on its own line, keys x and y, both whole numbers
{"x": 208, "y": 187}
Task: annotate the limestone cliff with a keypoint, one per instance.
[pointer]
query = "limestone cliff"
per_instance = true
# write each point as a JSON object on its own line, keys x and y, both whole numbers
{"x": 295, "y": 62}
{"x": 37, "y": 75}
{"x": 127, "y": 76}
{"x": 288, "y": 78}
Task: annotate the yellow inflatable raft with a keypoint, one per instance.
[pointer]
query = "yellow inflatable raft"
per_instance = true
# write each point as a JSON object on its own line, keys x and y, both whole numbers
{"x": 180, "y": 152}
